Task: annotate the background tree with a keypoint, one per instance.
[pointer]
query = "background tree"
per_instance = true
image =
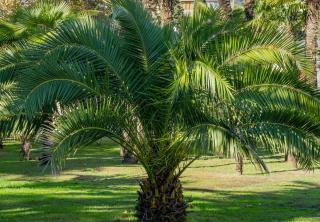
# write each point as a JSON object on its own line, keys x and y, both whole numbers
{"x": 7, "y": 6}
{"x": 164, "y": 11}
{"x": 249, "y": 9}
{"x": 312, "y": 21}
{"x": 26, "y": 23}
{"x": 225, "y": 7}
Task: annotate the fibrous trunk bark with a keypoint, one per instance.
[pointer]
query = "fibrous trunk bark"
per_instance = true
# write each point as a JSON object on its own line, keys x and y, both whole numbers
{"x": 158, "y": 202}
{"x": 225, "y": 7}
{"x": 249, "y": 9}
{"x": 25, "y": 149}
{"x": 239, "y": 164}
{"x": 311, "y": 33}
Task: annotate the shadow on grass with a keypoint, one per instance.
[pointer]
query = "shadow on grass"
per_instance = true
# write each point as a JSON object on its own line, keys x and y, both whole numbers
{"x": 79, "y": 199}
{"x": 113, "y": 199}
{"x": 95, "y": 156}
{"x": 299, "y": 200}
{"x": 91, "y": 198}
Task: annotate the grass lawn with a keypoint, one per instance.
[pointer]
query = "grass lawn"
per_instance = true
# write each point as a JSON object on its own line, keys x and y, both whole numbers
{"x": 95, "y": 186}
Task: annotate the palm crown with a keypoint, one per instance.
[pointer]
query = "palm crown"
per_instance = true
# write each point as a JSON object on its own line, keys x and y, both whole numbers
{"x": 171, "y": 94}
{"x": 32, "y": 22}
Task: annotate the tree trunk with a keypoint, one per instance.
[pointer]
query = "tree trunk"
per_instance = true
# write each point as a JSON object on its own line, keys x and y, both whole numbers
{"x": 286, "y": 157}
{"x": 225, "y": 7}
{"x": 1, "y": 144}
{"x": 292, "y": 159}
{"x": 160, "y": 203}
{"x": 239, "y": 164}
{"x": 311, "y": 34}
{"x": 25, "y": 149}
{"x": 249, "y": 9}
{"x": 127, "y": 157}
{"x": 162, "y": 10}
{"x": 152, "y": 7}
{"x": 167, "y": 9}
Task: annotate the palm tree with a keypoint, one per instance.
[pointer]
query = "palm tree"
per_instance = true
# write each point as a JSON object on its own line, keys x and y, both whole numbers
{"x": 13, "y": 120}
{"x": 170, "y": 97}
{"x": 312, "y": 21}
{"x": 26, "y": 23}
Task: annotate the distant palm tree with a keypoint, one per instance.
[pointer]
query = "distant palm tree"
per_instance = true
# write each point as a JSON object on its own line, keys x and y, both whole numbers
{"x": 26, "y": 23}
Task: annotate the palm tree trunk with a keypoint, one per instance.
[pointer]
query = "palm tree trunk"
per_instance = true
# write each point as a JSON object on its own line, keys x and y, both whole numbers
{"x": 225, "y": 7}
{"x": 311, "y": 33}
{"x": 1, "y": 144}
{"x": 161, "y": 10}
{"x": 293, "y": 160}
{"x": 152, "y": 7}
{"x": 249, "y": 9}
{"x": 239, "y": 164}
{"x": 25, "y": 149}
{"x": 167, "y": 8}
{"x": 127, "y": 157}
{"x": 160, "y": 202}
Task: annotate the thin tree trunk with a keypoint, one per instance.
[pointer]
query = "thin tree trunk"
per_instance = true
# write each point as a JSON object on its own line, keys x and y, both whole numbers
{"x": 25, "y": 149}
{"x": 293, "y": 160}
{"x": 249, "y": 9}
{"x": 1, "y": 144}
{"x": 311, "y": 34}
{"x": 225, "y": 7}
{"x": 239, "y": 164}
{"x": 161, "y": 201}
{"x": 127, "y": 157}
{"x": 286, "y": 157}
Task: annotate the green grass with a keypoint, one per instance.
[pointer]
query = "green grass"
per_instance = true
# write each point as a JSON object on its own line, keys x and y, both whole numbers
{"x": 96, "y": 187}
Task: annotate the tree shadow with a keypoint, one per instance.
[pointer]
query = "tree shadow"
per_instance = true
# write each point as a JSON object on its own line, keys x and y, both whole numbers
{"x": 95, "y": 198}
{"x": 113, "y": 199}
{"x": 300, "y": 200}
{"x": 89, "y": 198}
{"x": 91, "y": 157}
